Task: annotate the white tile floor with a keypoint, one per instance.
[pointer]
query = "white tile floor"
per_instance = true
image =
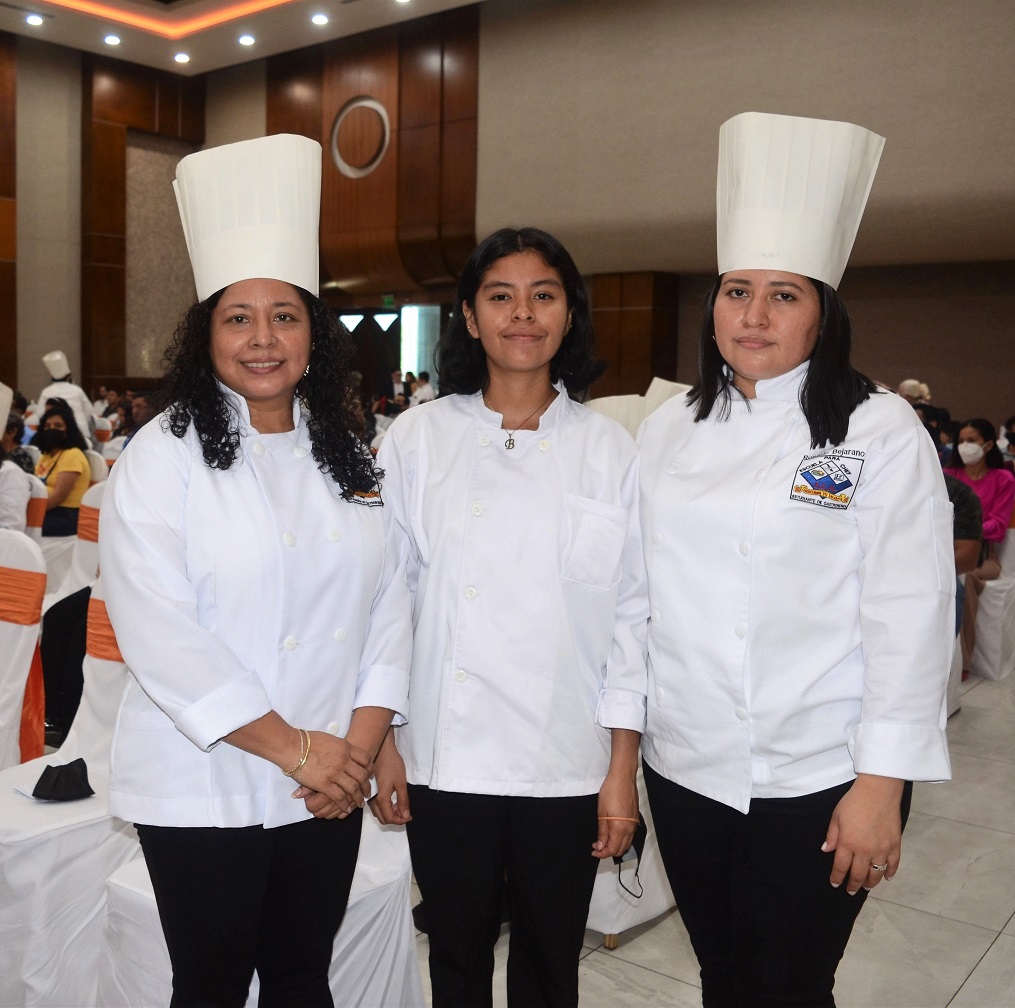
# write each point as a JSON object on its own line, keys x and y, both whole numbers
{"x": 940, "y": 935}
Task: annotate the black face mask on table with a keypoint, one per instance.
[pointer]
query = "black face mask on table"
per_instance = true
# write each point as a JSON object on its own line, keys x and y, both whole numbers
{"x": 52, "y": 440}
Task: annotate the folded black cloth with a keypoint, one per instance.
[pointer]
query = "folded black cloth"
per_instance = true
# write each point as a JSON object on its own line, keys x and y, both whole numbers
{"x": 64, "y": 783}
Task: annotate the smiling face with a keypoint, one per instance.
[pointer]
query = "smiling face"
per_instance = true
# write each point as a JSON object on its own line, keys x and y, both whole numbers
{"x": 260, "y": 344}
{"x": 520, "y": 315}
{"x": 766, "y": 324}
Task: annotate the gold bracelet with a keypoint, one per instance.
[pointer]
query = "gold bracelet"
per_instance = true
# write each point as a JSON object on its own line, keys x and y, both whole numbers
{"x": 304, "y": 753}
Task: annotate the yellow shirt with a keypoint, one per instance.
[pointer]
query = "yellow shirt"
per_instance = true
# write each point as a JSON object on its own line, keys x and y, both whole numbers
{"x": 67, "y": 460}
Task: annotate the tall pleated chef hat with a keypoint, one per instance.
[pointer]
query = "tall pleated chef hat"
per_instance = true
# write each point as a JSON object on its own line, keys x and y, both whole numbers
{"x": 790, "y": 193}
{"x": 252, "y": 209}
{"x": 56, "y": 364}
{"x": 6, "y": 398}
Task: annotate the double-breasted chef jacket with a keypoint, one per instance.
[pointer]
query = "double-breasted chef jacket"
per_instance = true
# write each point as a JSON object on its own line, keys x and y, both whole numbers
{"x": 802, "y": 614}
{"x": 529, "y": 594}
{"x": 233, "y": 593}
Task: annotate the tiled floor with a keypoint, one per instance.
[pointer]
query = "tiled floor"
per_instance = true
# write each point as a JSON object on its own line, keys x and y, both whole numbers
{"x": 941, "y": 933}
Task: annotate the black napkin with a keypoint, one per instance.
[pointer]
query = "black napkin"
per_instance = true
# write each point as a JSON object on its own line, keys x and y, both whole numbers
{"x": 64, "y": 783}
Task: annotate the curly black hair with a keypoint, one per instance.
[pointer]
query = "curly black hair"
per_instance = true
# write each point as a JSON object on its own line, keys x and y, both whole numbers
{"x": 190, "y": 394}
{"x": 461, "y": 361}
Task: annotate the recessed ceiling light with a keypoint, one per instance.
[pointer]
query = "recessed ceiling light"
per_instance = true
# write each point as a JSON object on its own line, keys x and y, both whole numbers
{"x": 112, "y": 40}
{"x": 320, "y": 19}
{"x": 246, "y": 40}
{"x": 181, "y": 57}
{"x": 34, "y": 19}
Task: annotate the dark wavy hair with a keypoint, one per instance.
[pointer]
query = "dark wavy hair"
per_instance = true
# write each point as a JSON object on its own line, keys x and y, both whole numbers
{"x": 75, "y": 439}
{"x": 190, "y": 394}
{"x": 830, "y": 392}
{"x": 993, "y": 457}
{"x": 461, "y": 360}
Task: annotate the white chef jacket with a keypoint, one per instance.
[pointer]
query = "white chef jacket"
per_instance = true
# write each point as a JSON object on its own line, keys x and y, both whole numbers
{"x": 802, "y": 617}
{"x": 233, "y": 593}
{"x": 15, "y": 489}
{"x": 529, "y": 595}
{"x": 79, "y": 403}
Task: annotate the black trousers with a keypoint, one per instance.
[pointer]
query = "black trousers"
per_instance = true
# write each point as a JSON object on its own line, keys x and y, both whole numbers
{"x": 463, "y": 846}
{"x": 235, "y": 900}
{"x": 767, "y": 927}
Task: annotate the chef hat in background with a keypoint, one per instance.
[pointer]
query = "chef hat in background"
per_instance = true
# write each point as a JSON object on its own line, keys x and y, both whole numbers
{"x": 252, "y": 209}
{"x": 790, "y": 193}
{"x": 56, "y": 364}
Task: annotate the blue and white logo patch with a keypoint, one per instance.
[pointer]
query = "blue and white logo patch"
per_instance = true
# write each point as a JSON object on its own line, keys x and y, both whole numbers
{"x": 827, "y": 480}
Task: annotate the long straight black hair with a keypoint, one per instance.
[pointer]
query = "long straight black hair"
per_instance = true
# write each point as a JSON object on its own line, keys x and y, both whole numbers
{"x": 831, "y": 390}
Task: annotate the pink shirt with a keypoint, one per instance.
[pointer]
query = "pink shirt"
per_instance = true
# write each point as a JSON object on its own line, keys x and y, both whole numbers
{"x": 996, "y": 491}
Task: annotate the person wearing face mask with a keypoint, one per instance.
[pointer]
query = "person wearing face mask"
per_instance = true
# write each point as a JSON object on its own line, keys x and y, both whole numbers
{"x": 63, "y": 467}
{"x": 1006, "y": 443}
{"x": 980, "y": 465}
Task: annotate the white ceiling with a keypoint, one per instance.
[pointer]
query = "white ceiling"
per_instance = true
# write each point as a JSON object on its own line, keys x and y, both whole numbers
{"x": 276, "y": 29}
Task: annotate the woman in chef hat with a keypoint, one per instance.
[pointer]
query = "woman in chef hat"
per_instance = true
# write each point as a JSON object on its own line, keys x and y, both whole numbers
{"x": 242, "y": 558}
{"x": 799, "y": 548}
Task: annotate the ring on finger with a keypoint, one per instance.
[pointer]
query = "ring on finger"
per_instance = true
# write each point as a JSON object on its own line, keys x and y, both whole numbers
{"x": 879, "y": 867}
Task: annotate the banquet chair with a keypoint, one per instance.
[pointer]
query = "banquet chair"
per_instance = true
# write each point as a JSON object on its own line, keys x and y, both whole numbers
{"x": 55, "y": 857}
{"x": 34, "y": 451}
{"x": 103, "y": 429}
{"x": 83, "y": 568}
{"x": 615, "y": 907}
{"x": 374, "y": 960}
{"x": 100, "y": 471}
{"x": 36, "y": 511}
{"x": 22, "y": 586}
{"x": 994, "y": 653}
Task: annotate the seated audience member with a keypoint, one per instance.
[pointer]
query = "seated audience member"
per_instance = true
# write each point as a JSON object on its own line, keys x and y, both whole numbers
{"x": 1006, "y": 442}
{"x": 980, "y": 466}
{"x": 15, "y": 484}
{"x": 12, "y": 441}
{"x": 112, "y": 401}
{"x": 99, "y": 405}
{"x": 947, "y": 439}
{"x": 967, "y": 533}
{"x": 424, "y": 390}
{"x": 64, "y": 469}
{"x": 912, "y": 391}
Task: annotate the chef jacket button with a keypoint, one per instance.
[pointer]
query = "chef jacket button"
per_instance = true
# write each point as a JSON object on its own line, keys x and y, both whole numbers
{"x": 760, "y": 474}
{"x": 660, "y": 694}
{"x": 672, "y": 468}
{"x": 484, "y": 440}
{"x": 741, "y": 630}
{"x": 334, "y": 535}
{"x": 477, "y": 509}
{"x": 258, "y": 448}
{"x": 741, "y": 714}
{"x": 470, "y": 592}
{"x": 544, "y": 445}
{"x": 657, "y": 538}
{"x": 290, "y": 643}
{"x": 289, "y": 539}
{"x": 655, "y": 615}
{"x": 300, "y": 452}
{"x": 461, "y": 675}
{"x": 745, "y": 548}
{"x": 340, "y": 635}
{"x": 334, "y": 727}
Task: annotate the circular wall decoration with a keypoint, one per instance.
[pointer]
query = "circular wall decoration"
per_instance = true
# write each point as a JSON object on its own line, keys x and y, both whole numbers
{"x": 374, "y": 108}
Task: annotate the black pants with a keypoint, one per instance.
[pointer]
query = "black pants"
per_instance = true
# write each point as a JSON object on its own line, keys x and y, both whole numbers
{"x": 235, "y": 900}
{"x": 767, "y": 927}
{"x": 462, "y": 847}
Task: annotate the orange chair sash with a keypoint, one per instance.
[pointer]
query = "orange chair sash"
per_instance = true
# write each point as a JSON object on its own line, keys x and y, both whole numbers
{"x": 100, "y": 640}
{"x": 21, "y": 595}
{"x": 101, "y": 434}
{"x": 35, "y": 512}
{"x": 88, "y": 523}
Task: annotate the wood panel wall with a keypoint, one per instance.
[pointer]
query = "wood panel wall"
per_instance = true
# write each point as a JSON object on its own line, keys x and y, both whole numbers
{"x": 8, "y": 212}
{"x": 117, "y": 97}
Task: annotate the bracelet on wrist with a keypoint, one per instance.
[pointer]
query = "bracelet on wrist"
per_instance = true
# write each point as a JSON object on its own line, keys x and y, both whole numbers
{"x": 304, "y": 753}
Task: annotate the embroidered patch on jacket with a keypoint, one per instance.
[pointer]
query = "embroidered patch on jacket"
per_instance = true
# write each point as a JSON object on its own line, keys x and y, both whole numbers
{"x": 827, "y": 480}
{"x": 371, "y": 498}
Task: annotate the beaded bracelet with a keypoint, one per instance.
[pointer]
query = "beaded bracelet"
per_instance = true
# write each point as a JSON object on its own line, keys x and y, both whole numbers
{"x": 304, "y": 753}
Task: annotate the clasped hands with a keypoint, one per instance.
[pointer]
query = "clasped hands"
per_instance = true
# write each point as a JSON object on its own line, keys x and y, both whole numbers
{"x": 335, "y": 781}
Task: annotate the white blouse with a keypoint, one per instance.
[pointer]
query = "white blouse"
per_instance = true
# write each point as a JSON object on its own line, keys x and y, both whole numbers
{"x": 529, "y": 595}
{"x": 802, "y": 599}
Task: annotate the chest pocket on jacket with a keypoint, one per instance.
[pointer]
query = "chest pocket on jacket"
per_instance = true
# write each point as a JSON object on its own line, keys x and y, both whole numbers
{"x": 594, "y": 543}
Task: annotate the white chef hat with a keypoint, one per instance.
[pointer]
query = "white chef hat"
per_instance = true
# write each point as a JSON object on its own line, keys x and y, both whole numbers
{"x": 252, "y": 209}
{"x": 6, "y": 398}
{"x": 791, "y": 192}
{"x": 56, "y": 364}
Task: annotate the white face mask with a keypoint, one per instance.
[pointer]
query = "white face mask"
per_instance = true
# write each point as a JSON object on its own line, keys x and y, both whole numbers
{"x": 970, "y": 452}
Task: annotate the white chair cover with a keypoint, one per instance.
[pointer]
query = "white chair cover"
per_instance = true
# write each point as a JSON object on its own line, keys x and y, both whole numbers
{"x": 112, "y": 448}
{"x": 20, "y": 611}
{"x": 37, "y": 511}
{"x": 100, "y": 471}
{"x": 994, "y": 654}
{"x": 34, "y": 451}
{"x": 613, "y": 908}
{"x": 103, "y": 429}
{"x": 55, "y": 857}
{"x": 374, "y": 961}
{"x": 84, "y": 559}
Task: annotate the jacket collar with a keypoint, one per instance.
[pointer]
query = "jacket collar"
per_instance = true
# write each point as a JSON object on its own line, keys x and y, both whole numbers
{"x": 784, "y": 387}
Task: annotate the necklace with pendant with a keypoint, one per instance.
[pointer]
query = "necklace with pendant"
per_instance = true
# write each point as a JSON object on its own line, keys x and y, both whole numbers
{"x": 509, "y": 442}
